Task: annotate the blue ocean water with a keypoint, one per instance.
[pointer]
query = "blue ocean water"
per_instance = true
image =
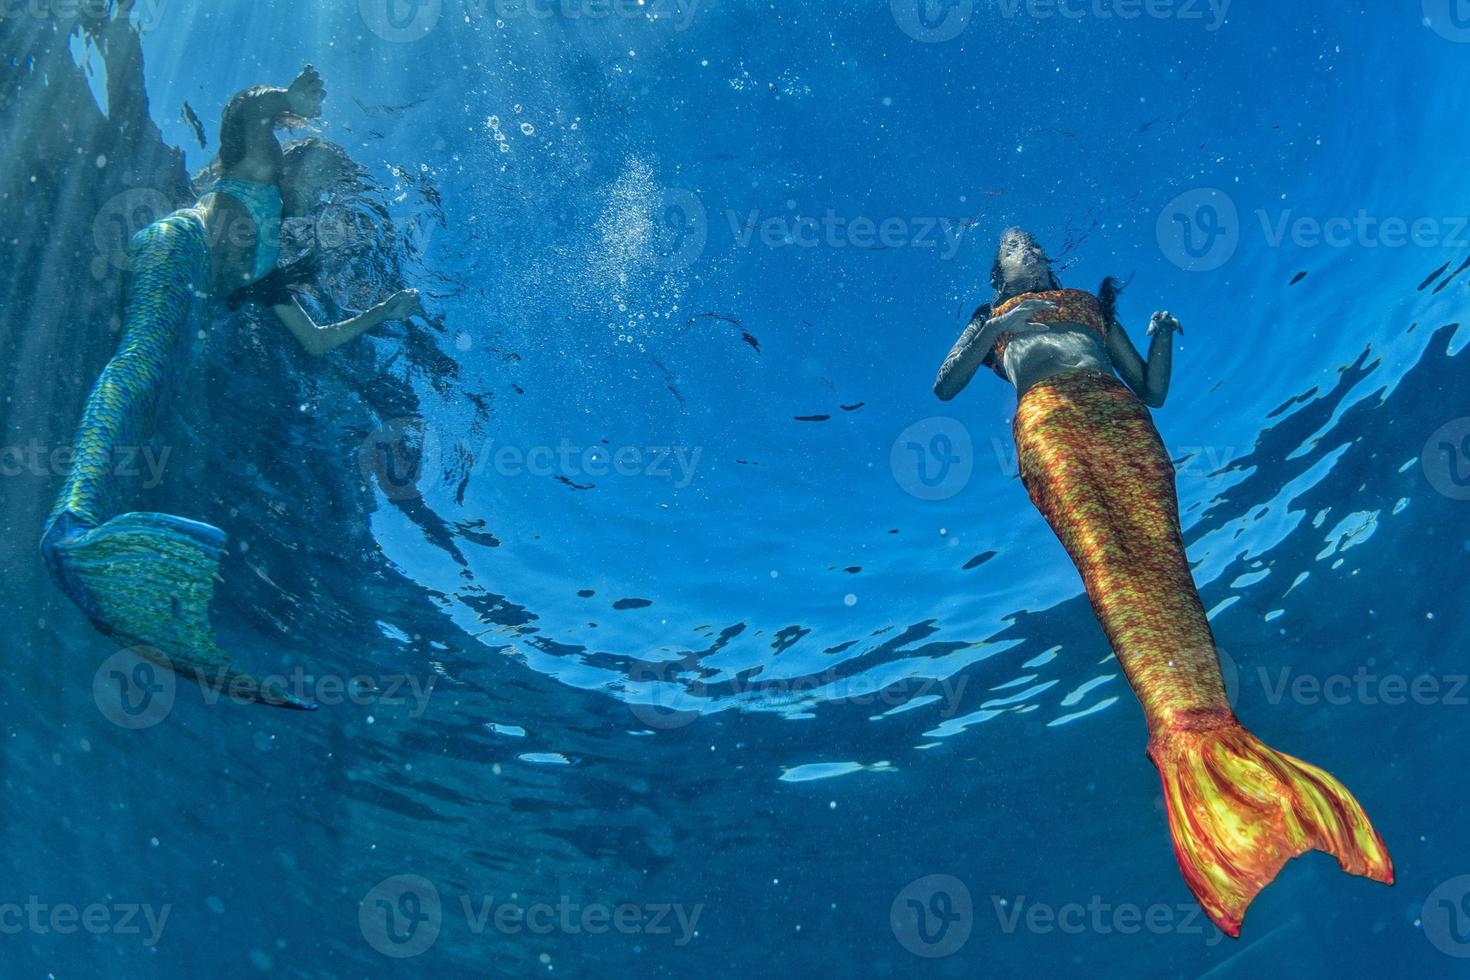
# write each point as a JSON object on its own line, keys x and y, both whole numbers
{"x": 663, "y": 622}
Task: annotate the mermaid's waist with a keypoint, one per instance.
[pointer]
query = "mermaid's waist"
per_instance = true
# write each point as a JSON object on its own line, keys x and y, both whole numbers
{"x": 1079, "y": 390}
{"x": 1031, "y": 358}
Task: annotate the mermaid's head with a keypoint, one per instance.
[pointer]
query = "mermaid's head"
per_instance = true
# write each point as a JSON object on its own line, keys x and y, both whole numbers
{"x": 1020, "y": 266}
{"x": 248, "y": 127}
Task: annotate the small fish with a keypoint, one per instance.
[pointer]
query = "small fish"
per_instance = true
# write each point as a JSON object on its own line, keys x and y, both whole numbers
{"x": 978, "y": 560}
{"x": 669, "y": 381}
{"x": 813, "y": 418}
{"x": 1433, "y": 276}
{"x": 734, "y": 321}
{"x": 1297, "y": 278}
{"x": 1451, "y": 277}
{"x": 192, "y": 119}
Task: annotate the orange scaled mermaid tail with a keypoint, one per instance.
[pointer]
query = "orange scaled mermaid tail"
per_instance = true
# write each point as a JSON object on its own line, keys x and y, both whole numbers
{"x": 1096, "y": 468}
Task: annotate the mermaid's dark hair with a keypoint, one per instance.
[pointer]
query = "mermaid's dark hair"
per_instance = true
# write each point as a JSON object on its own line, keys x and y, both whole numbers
{"x": 1107, "y": 297}
{"x": 278, "y": 288}
{"x": 239, "y": 114}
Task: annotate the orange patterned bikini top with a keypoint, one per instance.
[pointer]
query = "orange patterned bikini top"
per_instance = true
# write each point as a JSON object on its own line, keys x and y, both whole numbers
{"x": 1072, "y": 306}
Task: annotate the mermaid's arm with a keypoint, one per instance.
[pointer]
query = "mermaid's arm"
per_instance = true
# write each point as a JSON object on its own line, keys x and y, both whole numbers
{"x": 1149, "y": 381}
{"x": 247, "y": 130}
{"x": 319, "y": 340}
{"x": 976, "y": 342}
{"x": 965, "y": 357}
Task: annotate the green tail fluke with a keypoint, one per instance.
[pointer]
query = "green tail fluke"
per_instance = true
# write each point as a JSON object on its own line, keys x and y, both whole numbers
{"x": 146, "y": 580}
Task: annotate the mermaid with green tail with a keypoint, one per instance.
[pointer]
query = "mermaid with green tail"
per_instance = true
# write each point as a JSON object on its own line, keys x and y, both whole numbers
{"x": 146, "y": 580}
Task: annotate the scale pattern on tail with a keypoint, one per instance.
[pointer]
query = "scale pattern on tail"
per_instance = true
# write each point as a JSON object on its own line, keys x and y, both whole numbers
{"x": 166, "y": 292}
{"x": 146, "y": 580}
{"x": 1096, "y": 468}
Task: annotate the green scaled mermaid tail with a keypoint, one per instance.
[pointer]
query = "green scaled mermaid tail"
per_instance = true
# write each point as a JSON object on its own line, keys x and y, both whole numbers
{"x": 146, "y": 580}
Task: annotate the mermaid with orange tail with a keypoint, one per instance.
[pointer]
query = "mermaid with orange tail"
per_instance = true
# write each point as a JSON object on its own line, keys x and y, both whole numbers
{"x": 1095, "y": 467}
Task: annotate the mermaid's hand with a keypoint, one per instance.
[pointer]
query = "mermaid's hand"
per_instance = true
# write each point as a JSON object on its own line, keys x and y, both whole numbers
{"x": 304, "y": 97}
{"x": 1166, "y": 321}
{"x": 402, "y": 305}
{"x": 1018, "y": 320}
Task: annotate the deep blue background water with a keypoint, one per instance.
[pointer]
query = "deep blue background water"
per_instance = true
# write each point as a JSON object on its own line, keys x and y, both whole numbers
{"x": 731, "y": 743}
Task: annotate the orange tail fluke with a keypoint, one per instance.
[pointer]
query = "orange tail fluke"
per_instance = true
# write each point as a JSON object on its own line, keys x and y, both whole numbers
{"x": 1239, "y": 811}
